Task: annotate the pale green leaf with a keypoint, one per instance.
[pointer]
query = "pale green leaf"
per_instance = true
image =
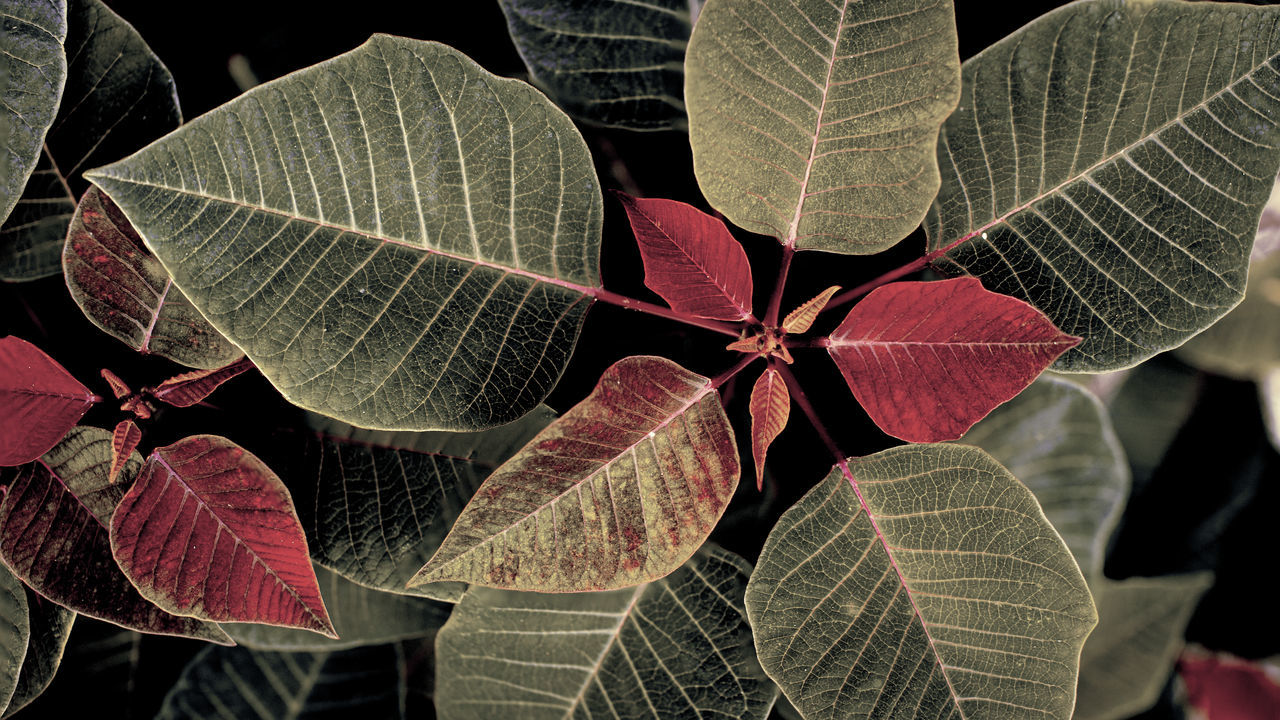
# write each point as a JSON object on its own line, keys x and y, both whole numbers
{"x": 1150, "y": 408}
{"x": 816, "y": 121}
{"x": 396, "y": 237}
{"x": 935, "y": 589}
{"x": 50, "y": 627}
{"x": 34, "y": 67}
{"x": 1108, "y": 164}
{"x": 1057, "y": 439}
{"x": 678, "y": 647}
{"x": 1246, "y": 343}
{"x": 15, "y": 631}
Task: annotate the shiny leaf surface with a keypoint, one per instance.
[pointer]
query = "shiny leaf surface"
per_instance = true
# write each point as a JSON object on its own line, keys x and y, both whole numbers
{"x": 770, "y": 405}
{"x": 42, "y": 401}
{"x": 34, "y": 67}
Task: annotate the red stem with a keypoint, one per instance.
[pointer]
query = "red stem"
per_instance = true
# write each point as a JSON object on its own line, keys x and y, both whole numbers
{"x": 916, "y": 265}
{"x": 738, "y": 367}
{"x": 775, "y": 300}
{"x": 800, "y": 399}
{"x": 649, "y": 308}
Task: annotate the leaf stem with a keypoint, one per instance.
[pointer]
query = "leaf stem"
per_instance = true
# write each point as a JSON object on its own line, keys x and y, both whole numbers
{"x": 775, "y": 300}
{"x": 649, "y": 308}
{"x": 916, "y": 265}
{"x": 738, "y": 367}
{"x": 802, "y": 400}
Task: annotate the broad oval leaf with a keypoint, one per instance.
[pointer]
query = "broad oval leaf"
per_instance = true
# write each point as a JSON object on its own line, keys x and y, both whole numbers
{"x": 118, "y": 97}
{"x": 125, "y": 290}
{"x": 41, "y": 400}
{"x": 690, "y": 259}
{"x": 54, "y": 536}
{"x": 15, "y": 632}
{"x": 1244, "y": 344}
{"x": 678, "y": 647}
{"x": 816, "y": 122}
{"x": 927, "y": 360}
{"x": 620, "y": 490}
{"x": 50, "y": 625}
{"x": 617, "y": 63}
{"x": 1108, "y": 164}
{"x": 395, "y": 237}
{"x": 34, "y": 67}
{"x": 208, "y": 531}
{"x": 770, "y": 406}
{"x": 934, "y": 587}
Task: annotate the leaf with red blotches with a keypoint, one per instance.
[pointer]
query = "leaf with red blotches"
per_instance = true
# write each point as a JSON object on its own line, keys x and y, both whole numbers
{"x": 927, "y": 360}
{"x": 41, "y": 401}
{"x": 690, "y": 259}
{"x": 207, "y": 530}
{"x": 53, "y": 535}
{"x": 801, "y": 319}
{"x": 190, "y": 388}
{"x": 119, "y": 388}
{"x": 620, "y": 490}
{"x": 124, "y": 289}
{"x": 770, "y": 406}
{"x": 1229, "y": 688}
{"x": 124, "y": 441}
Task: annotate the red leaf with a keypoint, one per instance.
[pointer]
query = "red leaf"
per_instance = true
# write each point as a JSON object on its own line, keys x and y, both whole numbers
{"x": 208, "y": 530}
{"x": 119, "y": 388}
{"x": 41, "y": 401}
{"x": 801, "y": 319}
{"x": 690, "y": 259}
{"x": 1227, "y": 688}
{"x": 770, "y": 407}
{"x": 124, "y": 441}
{"x": 190, "y": 388}
{"x": 927, "y": 360}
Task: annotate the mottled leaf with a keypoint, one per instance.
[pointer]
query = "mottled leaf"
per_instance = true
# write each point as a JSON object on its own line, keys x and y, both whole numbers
{"x": 770, "y": 406}
{"x": 15, "y": 632}
{"x": 118, "y": 97}
{"x": 34, "y": 67}
{"x": 50, "y": 627}
{"x": 396, "y": 237}
{"x": 801, "y": 319}
{"x": 190, "y": 388}
{"x": 41, "y": 400}
{"x": 53, "y": 535}
{"x": 620, "y": 490}
{"x": 927, "y": 360}
{"x": 678, "y": 647}
{"x": 1245, "y": 344}
{"x": 933, "y": 587}
{"x": 207, "y": 530}
{"x": 124, "y": 440}
{"x": 125, "y": 290}
{"x": 690, "y": 259}
{"x": 1108, "y": 163}
{"x": 618, "y": 63}
{"x": 816, "y": 121}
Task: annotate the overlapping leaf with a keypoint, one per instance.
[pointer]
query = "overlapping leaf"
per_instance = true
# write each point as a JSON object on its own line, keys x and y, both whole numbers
{"x": 933, "y": 588}
{"x": 15, "y": 632}
{"x": 1246, "y": 343}
{"x": 1108, "y": 164}
{"x": 620, "y": 490}
{"x": 770, "y": 406}
{"x": 118, "y": 97}
{"x": 816, "y": 122}
{"x": 42, "y": 401}
{"x": 617, "y": 63}
{"x": 395, "y": 237}
{"x": 676, "y": 647}
{"x": 34, "y": 67}
{"x": 50, "y": 626}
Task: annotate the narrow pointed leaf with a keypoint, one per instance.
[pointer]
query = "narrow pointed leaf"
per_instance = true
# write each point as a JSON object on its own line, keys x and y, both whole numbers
{"x": 190, "y": 388}
{"x": 42, "y": 401}
{"x": 936, "y": 588}
{"x": 125, "y": 290}
{"x": 770, "y": 406}
{"x": 690, "y": 259}
{"x": 53, "y": 535}
{"x": 927, "y": 360}
{"x": 617, "y": 63}
{"x": 34, "y": 67}
{"x": 124, "y": 440}
{"x": 395, "y": 237}
{"x": 621, "y": 489}
{"x": 674, "y": 648}
{"x": 118, "y": 97}
{"x": 1245, "y": 344}
{"x": 119, "y": 389}
{"x": 1108, "y": 164}
{"x": 50, "y": 627}
{"x": 15, "y": 632}
{"x": 801, "y": 319}
{"x": 816, "y": 122}
{"x": 207, "y": 530}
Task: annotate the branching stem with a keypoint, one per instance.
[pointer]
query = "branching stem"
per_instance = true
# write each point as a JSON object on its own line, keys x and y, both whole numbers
{"x": 649, "y": 308}
{"x": 916, "y": 265}
{"x": 800, "y": 399}
{"x": 738, "y": 367}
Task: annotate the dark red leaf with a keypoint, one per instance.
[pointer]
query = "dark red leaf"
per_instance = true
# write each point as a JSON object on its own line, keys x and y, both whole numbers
{"x": 41, "y": 401}
{"x": 1227, "y": 688}
{"x": 690, "y": 259}
{"x": 208, "y": 530}
{"x": 119, "y": 388}
{"x": 801, "y": 319}
{"x": 124, "y": 441}
{"x": 927, "y": 360}
{"x": 770, "y": 406}
{"x": 190, "y": 388}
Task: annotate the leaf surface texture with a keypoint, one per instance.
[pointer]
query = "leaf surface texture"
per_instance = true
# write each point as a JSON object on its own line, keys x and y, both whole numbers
{"x": 34, "y": 66}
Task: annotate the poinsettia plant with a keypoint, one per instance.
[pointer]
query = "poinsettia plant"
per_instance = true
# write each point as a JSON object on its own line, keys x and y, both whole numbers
{"x": 402, "y": 249}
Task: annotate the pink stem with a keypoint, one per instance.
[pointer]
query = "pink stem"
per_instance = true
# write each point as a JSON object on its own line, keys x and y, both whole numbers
{"x": 738, "y": 367}
{"x": 775, "y": 300}
{"x": 649, "y": 308}
{"x": 916, "y": 265}
{"x": 802, "y": 400}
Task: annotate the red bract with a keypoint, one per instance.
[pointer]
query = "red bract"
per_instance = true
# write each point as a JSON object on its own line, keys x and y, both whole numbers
{"x": 927, "y": 360}
{"x": 770, "y": 407}
{"x": 124, "y": 441}
{"x": 1226, "y": 688}
{"x": 190, "y": 388}
{"x": 41, "y": 401}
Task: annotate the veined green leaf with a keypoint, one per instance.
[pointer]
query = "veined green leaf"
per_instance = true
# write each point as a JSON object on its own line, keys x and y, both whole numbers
{"x": 1108, "y": 164}
{"x": 678, "y": 647}
{"x": 1246, "y": 343}
{"x": 15, "y": 631}
{"x": 933, "y": 586}
{"x": 395, "y": 237}
{"x": 816, "y": 121}
{"x": 50, "y": 625}
{"x": 34, "y": 67}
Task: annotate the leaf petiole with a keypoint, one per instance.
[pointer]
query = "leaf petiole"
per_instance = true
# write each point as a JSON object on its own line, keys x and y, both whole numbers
{"x": 649, "y": 308}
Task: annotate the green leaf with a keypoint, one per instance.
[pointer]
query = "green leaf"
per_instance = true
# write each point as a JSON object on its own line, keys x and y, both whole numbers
{"x": 1246, "y": 343}
{"x": 620, "y": 490}
{"x": 360, "y": 616}
{"x": 1056, "y": 437}
{"x": 1108, "y": 164}
{"x": 934, "y": 587}
{"x": 816, "y": 121}
{"x": 34, "y": 67}
{"x": 618, "y": 63}
{"x": 1127, "y": 660}
{"x": 15, "y": 631}
{"x": 678, "y": 647}
{"x": 1152, "y": 405}
{"x": 118, "y": 97}
{"x": 50, "y": 627}
{"x": 396, "y": 237}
